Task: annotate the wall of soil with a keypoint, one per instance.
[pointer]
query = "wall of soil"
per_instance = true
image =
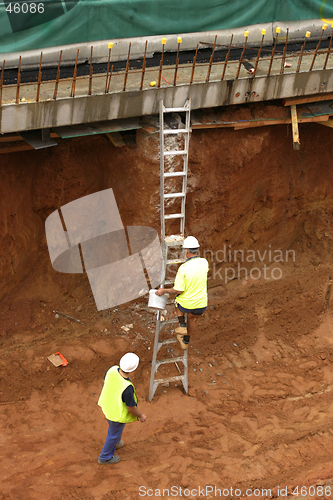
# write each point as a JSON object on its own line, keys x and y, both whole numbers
{"x": 247, "y": 190}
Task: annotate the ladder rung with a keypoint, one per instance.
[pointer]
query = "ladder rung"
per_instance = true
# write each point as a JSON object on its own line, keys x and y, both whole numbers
{"x": 174, "y": 195}
{"x": 169, "y": 321}
{"x": 174, "y": 240}
{"x": 176, "y": 131}
{"x": 174, "y": 174}
{"x": 175, "y": 110}
{"x": 174, "y": 216}
{"x": 175, "y": 152}
{"x": 169, "y": 282}
{"x": 169, "y": 360}
{"x": 167, "y": 341}
{"x": 169, "y": 379}
{"x": 174, "y": 261}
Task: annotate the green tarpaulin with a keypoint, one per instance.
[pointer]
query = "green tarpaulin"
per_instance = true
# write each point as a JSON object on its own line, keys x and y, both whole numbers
{"x": 27, "y": 24}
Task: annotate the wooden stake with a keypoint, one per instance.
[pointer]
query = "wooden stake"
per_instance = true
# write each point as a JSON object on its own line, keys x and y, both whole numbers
{"x": 294, "y": 124}
{"x": 18, "y": 82}
{"x": 143, "y": 66}
{"x": 127, "y": 66}
{"x": 39, "y": 76}
{"x": 226, "y": 58}
{"x": 74, "y": 75}
{"x": 57, "y": 79}
{"x": 211, "y": 61}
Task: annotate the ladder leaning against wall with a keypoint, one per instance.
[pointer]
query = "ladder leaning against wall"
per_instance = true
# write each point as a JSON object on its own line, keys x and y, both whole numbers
{"x": 171, "y": 241}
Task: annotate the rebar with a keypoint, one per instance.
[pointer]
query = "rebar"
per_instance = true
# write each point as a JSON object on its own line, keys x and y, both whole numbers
{"x": 1, "y": 79}
{"x": 143, "y": 66}
{"x": 211, "y": 61}
{"x": 317, "y": 48}
{"x": 74, "y": 75}
{"x": 127, "y": 66}
{"x": 161, "y": 66}
{"x": 328, "y": 51}
{"x": 39, "y": 77}
{"x": 273, "y": 52}
{"x": 193, "y": 65}
{"x": 18, "y": 82}
{"x": 107, "y": 70}
{"x": 284, "y": 53}
{"x": 258, "y": 55}
{"x": 242, "y": 55}
{"x": 226, "y": 58}
{"x": 91, "y": 70}
{"x": 177, "y": 62}
{"x": 57, "y": 78}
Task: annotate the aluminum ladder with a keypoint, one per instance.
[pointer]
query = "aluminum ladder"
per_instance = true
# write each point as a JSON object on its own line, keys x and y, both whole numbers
{"x": 172, "y": 241}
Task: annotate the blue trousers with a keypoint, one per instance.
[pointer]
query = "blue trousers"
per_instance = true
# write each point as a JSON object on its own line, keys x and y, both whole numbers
{"x": 112, "y": 439}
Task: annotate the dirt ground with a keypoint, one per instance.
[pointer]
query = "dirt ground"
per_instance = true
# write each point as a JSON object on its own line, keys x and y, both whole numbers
{"x": 258, "y": 417}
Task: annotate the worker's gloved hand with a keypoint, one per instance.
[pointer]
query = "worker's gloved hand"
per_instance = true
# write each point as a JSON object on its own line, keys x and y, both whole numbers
{"x": 160, "y": 291}
{"x": 142, "y": 418}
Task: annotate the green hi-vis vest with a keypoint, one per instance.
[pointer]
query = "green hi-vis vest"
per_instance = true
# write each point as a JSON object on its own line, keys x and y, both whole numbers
{"x": 110, "y": 399}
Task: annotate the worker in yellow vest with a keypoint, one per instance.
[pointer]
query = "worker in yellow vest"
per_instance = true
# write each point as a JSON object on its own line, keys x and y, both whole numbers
{"x": 191, "y": 288}
{"x": 118, "y": 401}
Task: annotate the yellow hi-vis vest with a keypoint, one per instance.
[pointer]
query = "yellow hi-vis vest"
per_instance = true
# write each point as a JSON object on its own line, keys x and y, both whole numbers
{"x": 110, "y": 400}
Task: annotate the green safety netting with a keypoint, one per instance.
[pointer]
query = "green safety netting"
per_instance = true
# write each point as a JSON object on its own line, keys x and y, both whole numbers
{"x": 27, "y": 24}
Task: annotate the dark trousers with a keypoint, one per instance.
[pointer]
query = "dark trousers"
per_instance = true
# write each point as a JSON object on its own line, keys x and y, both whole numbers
{"x": 112, "y": 439}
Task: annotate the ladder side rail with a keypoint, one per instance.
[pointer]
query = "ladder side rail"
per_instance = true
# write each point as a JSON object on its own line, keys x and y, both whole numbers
{"x": 152, "y": 389}
{"x": 161, "y": 109}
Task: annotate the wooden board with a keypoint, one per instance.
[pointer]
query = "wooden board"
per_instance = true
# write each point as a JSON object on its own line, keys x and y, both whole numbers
{"x": 306, "y": 99}
{"x": 261, "y": 123}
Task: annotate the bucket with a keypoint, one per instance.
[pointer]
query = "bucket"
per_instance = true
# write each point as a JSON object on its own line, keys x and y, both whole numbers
{"x": 156, "y": 301}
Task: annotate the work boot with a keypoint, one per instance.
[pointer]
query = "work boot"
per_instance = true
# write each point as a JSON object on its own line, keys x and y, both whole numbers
{"x": 182, "y": 330}
{"x": 183, "y": 343}
{"x": 114, "y": 460}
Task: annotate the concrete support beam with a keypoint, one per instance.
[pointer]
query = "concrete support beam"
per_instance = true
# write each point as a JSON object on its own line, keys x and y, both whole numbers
{"x": 101, "y": 107}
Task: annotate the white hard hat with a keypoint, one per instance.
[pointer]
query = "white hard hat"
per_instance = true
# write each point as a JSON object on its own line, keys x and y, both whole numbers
{"x": 191, "y": 242}
{"x": 129, "y": 362}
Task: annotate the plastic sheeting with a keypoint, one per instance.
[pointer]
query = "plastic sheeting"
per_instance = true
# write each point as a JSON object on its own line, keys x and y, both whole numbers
{"x": 27, "y": 24}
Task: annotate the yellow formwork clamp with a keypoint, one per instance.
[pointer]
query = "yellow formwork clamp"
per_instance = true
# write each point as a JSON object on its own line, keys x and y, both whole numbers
{"x": 278, "y": 30}
{"x": 307, "y": 34}
{"x": 246, "y": 33}
{"x": 164, "y": 40}
{"x": 179, "y": 39}
{"x": 263, "y": 31}
{"x": 110, "y": 45}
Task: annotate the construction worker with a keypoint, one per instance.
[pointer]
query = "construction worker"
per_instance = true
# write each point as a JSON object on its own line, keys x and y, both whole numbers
{"x": 190, "y": 286}
{"x": 119, "y": 404}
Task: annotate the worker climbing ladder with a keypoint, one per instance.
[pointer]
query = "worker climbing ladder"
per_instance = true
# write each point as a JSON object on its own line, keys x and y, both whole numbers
{"x": 169, "y": 242}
